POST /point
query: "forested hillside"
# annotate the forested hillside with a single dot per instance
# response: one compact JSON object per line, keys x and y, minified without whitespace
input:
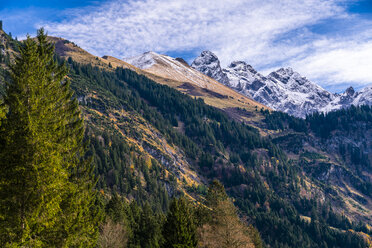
{"x":150,"y":143}
{"x":334,"y":150}
{"x":264,"y":183}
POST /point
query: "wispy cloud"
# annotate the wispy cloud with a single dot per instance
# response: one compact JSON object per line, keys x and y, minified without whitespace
{"x":264,"y":33}
{"x":335,"y":63}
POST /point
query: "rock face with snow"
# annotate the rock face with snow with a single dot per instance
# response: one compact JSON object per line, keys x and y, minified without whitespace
{"x":175,"y":72}
{"x":348,"y":98}
{"x":171,"y":68}
{"x":208,"y":64}
{"x":143,"y":62}
{"x":283,"y":90}
{"x":364,"y":97}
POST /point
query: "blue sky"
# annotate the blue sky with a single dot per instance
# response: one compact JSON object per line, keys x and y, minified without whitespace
{"x":328,"y":41}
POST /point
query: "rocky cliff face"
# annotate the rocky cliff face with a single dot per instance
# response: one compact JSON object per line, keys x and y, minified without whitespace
{"x":209,"y":64}
{"x":283,"y":90}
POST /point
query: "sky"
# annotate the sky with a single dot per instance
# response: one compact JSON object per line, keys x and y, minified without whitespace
{"x":327,"y":41}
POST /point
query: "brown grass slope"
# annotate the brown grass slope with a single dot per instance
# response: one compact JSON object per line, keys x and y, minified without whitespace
{"x":186,"y":80}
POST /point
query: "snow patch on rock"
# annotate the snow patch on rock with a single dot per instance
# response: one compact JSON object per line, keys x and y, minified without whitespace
{"x":282,"y":90}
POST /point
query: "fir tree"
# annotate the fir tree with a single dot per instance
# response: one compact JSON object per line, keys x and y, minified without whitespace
{"x":179,"y":230}
{"x":46,"y":186}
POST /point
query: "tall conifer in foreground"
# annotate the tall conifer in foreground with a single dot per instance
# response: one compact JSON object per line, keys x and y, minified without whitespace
{"x":179,"y":230}
{"x":46,"y":187}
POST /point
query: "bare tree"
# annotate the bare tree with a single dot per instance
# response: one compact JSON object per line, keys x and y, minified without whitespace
{"x":225,"y":230}
{"x":113,"y":235}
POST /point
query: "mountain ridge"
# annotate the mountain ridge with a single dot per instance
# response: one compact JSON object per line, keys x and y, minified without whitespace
{"x":282,"y":90}
{"x":177,"y":74}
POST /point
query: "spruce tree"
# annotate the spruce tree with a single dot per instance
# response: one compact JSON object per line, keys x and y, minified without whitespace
{"x":179,"y":230}
{"x":46,"y":186}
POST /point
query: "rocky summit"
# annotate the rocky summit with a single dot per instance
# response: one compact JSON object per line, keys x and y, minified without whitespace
{"x":283,"y":90}
{"x":209,"y":64}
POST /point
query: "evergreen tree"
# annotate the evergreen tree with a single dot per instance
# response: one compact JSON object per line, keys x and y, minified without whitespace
{"x":179,"y":230}
{"x":150,"y":225}
{"x":46,"y":187}
{"x":216,"y":193}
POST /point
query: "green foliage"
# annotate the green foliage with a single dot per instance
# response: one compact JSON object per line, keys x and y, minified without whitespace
{"x":255,"y":237}
{"x":142,"y":226}
{"x":215,"y":145}
{"x":209,"y":133}
{"x":216,"y":193}
{"x":119,"y":167}
{"x":179,"y":230}
{"x":148,"y":231}
{"x":344,"y":119}
{"x":46,"y":187}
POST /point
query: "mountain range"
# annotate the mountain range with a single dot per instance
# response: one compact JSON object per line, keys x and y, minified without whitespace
{"x":282,"y":90}
{"x":161,"y":128}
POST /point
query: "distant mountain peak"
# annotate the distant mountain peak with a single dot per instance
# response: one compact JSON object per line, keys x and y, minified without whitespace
{"x":210,"y":56}
{"x":350,"y":91}
{"x":284,"y":89}
{"x":242,"y":66}
{"x":206,"y":57}
{"x":209,"y":64}
{"x":285,"y":71}
{"x":143,"y":61}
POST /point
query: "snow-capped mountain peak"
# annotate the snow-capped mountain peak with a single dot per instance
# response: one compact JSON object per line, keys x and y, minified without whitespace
{"x":285,"y":71}
{"x":350,"y":91}
{"x":284,"y":89}
{"x":241,"y":66}
{"x":363,"y":97}
{"x":208,"y":64}
{"x":348,"y":98}
{"x":143,"y":61}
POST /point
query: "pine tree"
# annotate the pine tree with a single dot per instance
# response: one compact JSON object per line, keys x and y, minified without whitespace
{"x":46,"y":185}
{"x":179,"y":230}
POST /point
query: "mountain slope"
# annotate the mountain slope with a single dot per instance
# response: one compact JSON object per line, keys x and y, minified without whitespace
{"x":334,"y":151}
{"x":150,"y":141}
{"x":174,"y":73}
{"x":282,"y":90}
{"x":254,"y":171}
{"x":235,"y":167}
{"x":177,"y":74}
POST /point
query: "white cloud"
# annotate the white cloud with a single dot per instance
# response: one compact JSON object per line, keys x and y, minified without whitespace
{"x":234,"y":30}
{"x":338,"y":62}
